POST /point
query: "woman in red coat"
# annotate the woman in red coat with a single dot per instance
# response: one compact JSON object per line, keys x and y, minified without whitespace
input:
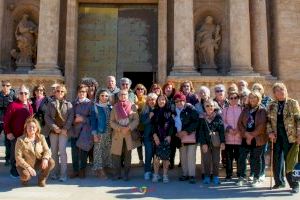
{"x":14,"y":119}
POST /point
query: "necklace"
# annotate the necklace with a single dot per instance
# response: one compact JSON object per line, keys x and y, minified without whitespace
{"x":280,"y":107}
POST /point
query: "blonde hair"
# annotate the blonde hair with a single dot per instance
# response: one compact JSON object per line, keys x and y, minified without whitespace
{"x":258,"y":85}
{"x":281,"y":86}
{"x":35,"y":121}
{"x":62,"y":87}
{"x":190,"y":83}
{"x":256,"y":94}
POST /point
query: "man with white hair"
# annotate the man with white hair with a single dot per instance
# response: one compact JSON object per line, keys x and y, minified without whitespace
{"x":14,"y":119}
{"x":111,"y":85}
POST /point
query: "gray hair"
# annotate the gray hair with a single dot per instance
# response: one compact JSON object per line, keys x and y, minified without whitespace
{"x":152,"y":96}
{"x":23,"y":88}
{"x":220,"y":86}
{"x":205,"y":89}
{"x":125,"y":80}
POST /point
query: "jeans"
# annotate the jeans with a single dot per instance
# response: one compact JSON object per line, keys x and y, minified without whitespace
{"x":58,"y":147}
{"x":148,"y":154}
{"x":232,"y":153}
{"x":255,"y":163}
{"x":79,"y":156}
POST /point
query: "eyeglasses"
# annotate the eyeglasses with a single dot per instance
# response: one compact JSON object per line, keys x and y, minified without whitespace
{"x":23,"y":93}
{"x":219,"y":91}
{"x":60,"y":91}
{"x":139,"y":88}
{"x":207,"y":106}
{"x":39,"y":90}
{"x":82,"y":91}
{"x":234,"y":98}
{"x":6,"y":85}
{"x":103,"y":95}
{"x":125,"y":84}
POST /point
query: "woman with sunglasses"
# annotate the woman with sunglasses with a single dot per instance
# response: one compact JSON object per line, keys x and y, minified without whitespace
{"x":39,"y":104}
{"x":14,"y":119}
{"x":59,"y":117}
{"x":101,"y":132}
{"x":233,"y":138}
{"x":141,"y":93}
{"x":211,"y":124}
{"x":81,"y":137}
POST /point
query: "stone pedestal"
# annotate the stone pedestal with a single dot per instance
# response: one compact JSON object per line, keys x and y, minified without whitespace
{"x":2,"y":5}
{"x":240,"y":43}
{"x":183,"y":38}
{"x":259,"y":37}
{"x":47,"y":51}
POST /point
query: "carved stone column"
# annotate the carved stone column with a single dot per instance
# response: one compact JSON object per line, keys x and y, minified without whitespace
{"x":183,"y":38}
{"x":48,"y":35}
{"x":259,"y":37}
{"x":2,"y":5}
{"x":162,"y":41}
{"x":240,"y":43}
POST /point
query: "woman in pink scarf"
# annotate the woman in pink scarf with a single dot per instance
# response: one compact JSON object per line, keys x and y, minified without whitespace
{"x":123,"y":120}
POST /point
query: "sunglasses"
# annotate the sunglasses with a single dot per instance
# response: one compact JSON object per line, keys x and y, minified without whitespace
{"x":207,"y":106}
{"x":60,"y":91}
{"x":6,"y":85}
{"x":139,"y":88}
{"x":23,"y":93}
{"x":219,"y":91}
{"x":233,"y":98}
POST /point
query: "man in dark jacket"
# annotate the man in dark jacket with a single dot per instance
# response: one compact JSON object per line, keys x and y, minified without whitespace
{"x":7,"y":95}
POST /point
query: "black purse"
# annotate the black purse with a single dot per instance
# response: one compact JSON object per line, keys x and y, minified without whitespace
{"x":163,"y":150}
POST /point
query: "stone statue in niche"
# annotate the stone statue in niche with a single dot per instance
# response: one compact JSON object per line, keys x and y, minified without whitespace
{"x":208,"y":39}
{"x":26,"y":38}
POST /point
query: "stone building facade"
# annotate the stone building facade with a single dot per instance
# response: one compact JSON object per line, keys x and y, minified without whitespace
{"x":205,"y":41}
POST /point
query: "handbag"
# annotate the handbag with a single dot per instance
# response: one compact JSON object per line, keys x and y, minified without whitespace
{"x":189,"y":138}
{"x":163,"y":150}
{"x":214,"y":137}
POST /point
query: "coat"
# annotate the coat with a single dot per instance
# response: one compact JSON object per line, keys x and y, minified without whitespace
{"x":259,"y":132}
{"x":230,"y":117}
{"x":291,"y":118}
{"x":67,"y":113}
{"x":118,"y":136}
{"x":25,"y":153}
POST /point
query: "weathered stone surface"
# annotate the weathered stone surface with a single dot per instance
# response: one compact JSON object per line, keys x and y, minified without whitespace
{"x":2,"y":3}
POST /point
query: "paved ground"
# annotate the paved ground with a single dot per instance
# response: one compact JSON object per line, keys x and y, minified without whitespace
{"x":96,"y":189}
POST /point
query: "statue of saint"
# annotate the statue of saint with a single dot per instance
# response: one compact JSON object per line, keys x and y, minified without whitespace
{"x":208,"y":39}
{"x":26,"y":38}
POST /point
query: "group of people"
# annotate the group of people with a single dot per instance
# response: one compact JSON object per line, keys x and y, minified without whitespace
{"x":106,"y":123}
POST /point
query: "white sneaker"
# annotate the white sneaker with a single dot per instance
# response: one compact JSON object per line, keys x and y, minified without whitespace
{"x":165,"y":179}
{"x":262,"y":178}
{"x":241,"y":181}
{"x":250,"y":178}
{"x":255,"y":182}
{"x":155,"y":178}
{"x":63,"y":179}
{"x":147,"y":176}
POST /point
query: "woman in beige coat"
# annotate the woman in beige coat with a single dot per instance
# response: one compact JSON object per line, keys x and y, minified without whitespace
{"x":123,"y":120}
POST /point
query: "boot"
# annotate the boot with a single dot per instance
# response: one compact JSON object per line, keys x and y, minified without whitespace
{"x":82,"y":173}
{"x":42,"y":182}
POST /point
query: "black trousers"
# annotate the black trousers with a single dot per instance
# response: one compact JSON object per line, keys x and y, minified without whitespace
{"x":13,"y":169}
{"x":256,"y":165}
{"x":232,"y":153}
{"x":280,"y":151}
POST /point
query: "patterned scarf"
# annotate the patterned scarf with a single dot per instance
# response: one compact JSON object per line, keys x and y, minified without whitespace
{"x":123,"y":109}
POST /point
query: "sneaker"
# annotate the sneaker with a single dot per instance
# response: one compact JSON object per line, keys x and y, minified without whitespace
{"x":262,"y":178}
{"x":155,"y":178}
{"x":216,"y":180}
{"x":54,"y":177}
{"x":255,"y":182}
{"x":251,"y":178}
{"x":147,"y":176}
{"x":206,"y":180}
{"x":183,"y":178}
{"x":63,"y":179}
{"x":228,"y":178}
{"x":14,"y":176}
{"x":295,"y":190}
{"x":192,"y":180}
{"x":165,"y":179}
{"x":241,"y":181}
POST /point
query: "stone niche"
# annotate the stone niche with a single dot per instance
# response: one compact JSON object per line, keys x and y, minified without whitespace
{"x":217,"y":9}
{"x":14,"y":12}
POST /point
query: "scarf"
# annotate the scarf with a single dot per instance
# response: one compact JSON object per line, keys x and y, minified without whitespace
{"x":211,"y":117}
{"x":123,"y":109}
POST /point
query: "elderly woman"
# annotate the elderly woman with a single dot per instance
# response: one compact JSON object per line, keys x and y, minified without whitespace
{"x":33,"y":153}
{"x":59,"y":117}
{"x":233,"y":138}
{"x":141,"y":93}
{"x":123,"y":121}
{"x":145,"y":119}
{"x":284,"y":130}
{"x":156,"y":88}
{"x":186,"y":88}
{"x":101,"y":133}
{"x":15,"y":116}
{"x":252,"y":127}
{"x":39,"y":105}
{"x":81,"y":137}
{"x":186,"y":122}
{"x":204,"y":95}
{"x":163,"y":125}
{"x":211,"y":124}
{"x":125,"y":84}
{"x":220,"y":96}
